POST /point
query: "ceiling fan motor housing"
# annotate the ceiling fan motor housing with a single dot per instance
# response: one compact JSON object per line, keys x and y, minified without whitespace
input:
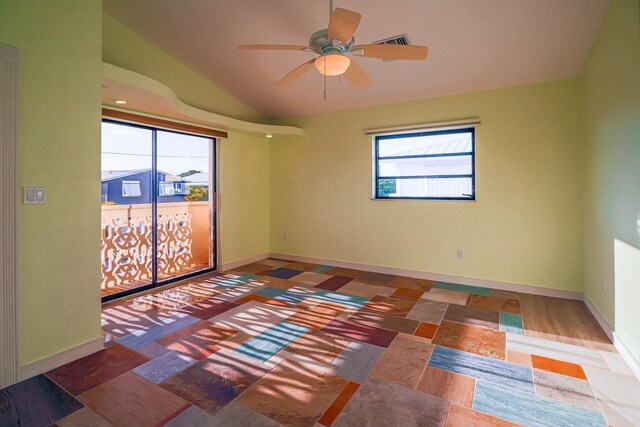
{"x":320,"y":43}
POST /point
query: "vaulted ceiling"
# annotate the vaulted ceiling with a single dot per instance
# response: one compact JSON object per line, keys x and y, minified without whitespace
{"x":473,"y":45}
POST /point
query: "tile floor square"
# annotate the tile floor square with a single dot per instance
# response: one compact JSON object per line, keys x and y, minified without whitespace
{"x":132,"y":400}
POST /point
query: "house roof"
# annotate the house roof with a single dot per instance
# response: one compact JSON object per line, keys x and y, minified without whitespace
{"x":115,"y":174}
{"x":110,"y":175}
{"x":200,"y":178}
{"x":461,"y":145}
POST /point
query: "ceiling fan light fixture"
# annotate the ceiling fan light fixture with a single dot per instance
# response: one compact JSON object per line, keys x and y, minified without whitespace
{"x":332,"y":64}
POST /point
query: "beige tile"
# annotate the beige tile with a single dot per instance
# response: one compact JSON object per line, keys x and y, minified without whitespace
{"x":618,"y":396}
{"x":428,"y":311}
{"x":565,"y":389}
{"x":518,"y":358}
{"x":275,"y":263}
{"x":252,"y":317}
{"x":310,"y":278}
{"x":445,"y":295}
{"x":404,"y":361}
{"x":366,"y":290}
{"x":292,"y":394}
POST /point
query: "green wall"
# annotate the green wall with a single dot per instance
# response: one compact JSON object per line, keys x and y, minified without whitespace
{"x":611,"y":107}
{"x":244,"y":159}
{"x":244,"y":197}
{"x":59,"y":148}
{"x":525,"y":227}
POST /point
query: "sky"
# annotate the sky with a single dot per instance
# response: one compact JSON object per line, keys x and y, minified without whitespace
{"x":128,"y":147}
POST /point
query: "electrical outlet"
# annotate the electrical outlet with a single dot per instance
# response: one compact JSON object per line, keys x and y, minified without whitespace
{"x":285,"y":236}
{"x":460,"y":253}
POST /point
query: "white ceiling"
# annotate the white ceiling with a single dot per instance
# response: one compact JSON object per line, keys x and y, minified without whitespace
{"x":474,"y":45}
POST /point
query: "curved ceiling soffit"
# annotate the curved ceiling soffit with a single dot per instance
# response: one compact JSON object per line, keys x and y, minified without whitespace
{"x":146,"y":95}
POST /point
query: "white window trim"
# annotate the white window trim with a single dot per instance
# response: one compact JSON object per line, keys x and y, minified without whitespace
{"x":139,"y":190}
{"x":472,"y":122}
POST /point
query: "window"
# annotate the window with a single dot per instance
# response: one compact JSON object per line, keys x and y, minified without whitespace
{"x":180,"y":187}
{"x":425,"y":165}
{"x":166,"y":189}
{"x":131,"y":189}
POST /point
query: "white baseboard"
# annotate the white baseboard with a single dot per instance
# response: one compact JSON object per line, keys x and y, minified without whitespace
{"x":483,"y":283}
{"x":617,"y":343}
{"x":56,"y":360}
{"x":235,"y":264}
{"x":601,"y":321}
{"x":627,"y":356}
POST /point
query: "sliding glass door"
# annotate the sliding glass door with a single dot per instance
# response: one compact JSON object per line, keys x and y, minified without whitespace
{"x":158,"y":221}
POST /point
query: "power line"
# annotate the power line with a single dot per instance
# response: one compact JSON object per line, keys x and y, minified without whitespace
{"x":158,"y":155}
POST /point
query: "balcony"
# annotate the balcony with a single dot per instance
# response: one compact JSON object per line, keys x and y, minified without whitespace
{"x":184,"y":243}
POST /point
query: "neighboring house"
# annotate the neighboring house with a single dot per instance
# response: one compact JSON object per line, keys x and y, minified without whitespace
{"x":200,"y":179}
{"x":128,"y":187}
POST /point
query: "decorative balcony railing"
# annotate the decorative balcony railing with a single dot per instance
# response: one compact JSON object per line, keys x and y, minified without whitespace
{"x":127,"y":242}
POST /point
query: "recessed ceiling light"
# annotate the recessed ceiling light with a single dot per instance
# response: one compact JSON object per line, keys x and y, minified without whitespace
{"x":269,"y":135}
{"x":120,"y":101}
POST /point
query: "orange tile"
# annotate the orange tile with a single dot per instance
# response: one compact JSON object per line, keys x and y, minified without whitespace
{"x":472,"y":339}
{"x":558,"y":367}
{"x":338,"y":405}
{"x":407,"y":293}
{"x":260,"y":298}
{"x":426,"y":330}
{"x":457,"y":388}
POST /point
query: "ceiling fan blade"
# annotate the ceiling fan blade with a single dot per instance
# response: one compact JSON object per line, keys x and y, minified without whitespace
{"x":296,"y":73}
{"x":392,"y":51}
{"x":342,"y":25}
{"x":272,"y":47}
{"x":356,"y":76}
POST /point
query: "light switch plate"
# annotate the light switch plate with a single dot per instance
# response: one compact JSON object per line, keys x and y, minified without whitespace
{"x":34,"y":195}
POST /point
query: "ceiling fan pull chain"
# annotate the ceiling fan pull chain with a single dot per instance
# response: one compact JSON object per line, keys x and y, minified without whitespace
{"x":325,"y":80}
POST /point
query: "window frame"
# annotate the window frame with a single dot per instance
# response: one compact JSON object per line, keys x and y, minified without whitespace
{"x":400,"y":135}
{"x":167,"y":184}
{"x":130,"y":182}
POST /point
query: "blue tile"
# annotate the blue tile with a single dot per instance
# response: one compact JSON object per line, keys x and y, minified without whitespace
{"x":322,"y":269}
{"x":37,"y":401}
{"x":284,"y":273}
{"x":531,"y":410}
{"x":232,"y":282}
{"x":355,"y":362}
{"x":511,"y":323}
{"x":271,"y":341}
{"x":284,"y":295}
{"x":463,"y":288}
{"x":156,"y":331}
{"x":164,"y":366}
{"x":483,"y":368}
{"x":340,"y":298}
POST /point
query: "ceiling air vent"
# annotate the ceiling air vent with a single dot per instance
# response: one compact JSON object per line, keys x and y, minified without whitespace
{"x":401,"y":39}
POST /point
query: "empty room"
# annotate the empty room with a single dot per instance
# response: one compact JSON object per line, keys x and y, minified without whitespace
{"x":320,"y":213}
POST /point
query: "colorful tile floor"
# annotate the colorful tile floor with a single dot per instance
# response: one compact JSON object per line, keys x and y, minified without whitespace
{"x":296,"y":344}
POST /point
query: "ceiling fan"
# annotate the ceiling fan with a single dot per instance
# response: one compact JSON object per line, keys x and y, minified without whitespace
{"x":334,"y":45}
